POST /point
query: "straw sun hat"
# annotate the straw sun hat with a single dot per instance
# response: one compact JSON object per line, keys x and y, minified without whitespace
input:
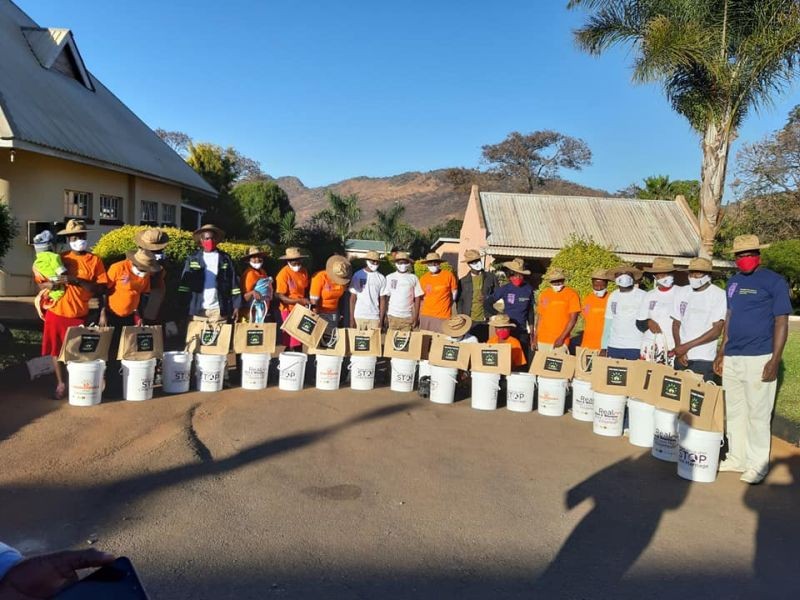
{"x":254,"y":251}
{"x":144,"y":260}
{"x":745,"y":243}
{"x":74,"y":227}
{"x":457,"y":325}
{"x":293,"y":253}
{"x":431,"y":257}
{"x":219,"y":234}
{"x":517,"y":265}
{"x":500,"y":321}
{"x":154,"y":240}
{"x":701,"y":264}
{"x":661,"y":265}
{"x":339,"y":269}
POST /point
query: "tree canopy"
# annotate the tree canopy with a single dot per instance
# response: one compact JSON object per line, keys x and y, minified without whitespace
{"x":262,"y":205}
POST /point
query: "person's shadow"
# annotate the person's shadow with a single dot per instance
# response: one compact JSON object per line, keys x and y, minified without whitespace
{"x":629,"y":498}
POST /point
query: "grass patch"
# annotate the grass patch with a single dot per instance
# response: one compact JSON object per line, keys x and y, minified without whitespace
{"x":787,"y":404}
{"x":17,"y":345}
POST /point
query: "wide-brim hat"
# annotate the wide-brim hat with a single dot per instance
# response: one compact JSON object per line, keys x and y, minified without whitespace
{"x":471,"y":256}
{"x":600,"y":274}
{"x":293,"y":253}
{"x":372,"y":255}
{"x":402,"y":256}
{"x":144,"y":260}
{"x":636,"y":272}
{"x":701,"y":264}
{"x":254,"y":251}
{"x":744,"y":243}
{"x":457,"y":326}
{"x":431,"y":257}
{"x":555,"y":275}
{"x":74,"y":227}
{"x":154,"y":239}
{"x":517,"y":265}
{"x":661,"y":265}
{"x":501,"y":321}
{"x":209,"y":227}
{"x":339,"y":269}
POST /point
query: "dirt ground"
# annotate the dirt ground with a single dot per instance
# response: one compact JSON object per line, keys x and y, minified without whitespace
{"x":382,"y":495}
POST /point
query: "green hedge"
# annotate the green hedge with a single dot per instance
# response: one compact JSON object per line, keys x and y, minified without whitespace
{"x":578,"y":258}
{"x":420,"y":268}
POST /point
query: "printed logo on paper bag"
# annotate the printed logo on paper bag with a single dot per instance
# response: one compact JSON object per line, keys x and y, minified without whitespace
{"x":553,"y":364}
{"x":490,"y":358}
{"x":361,"y":343}
{"x":89,"y":343}
{"x":400,"y":342}
{"x":209,"y":337}
{"x":450,"y":353}
{"x":617,"y":376}
{"x":696,"y":398}
{"x":671,"y":388}
{"x":144,"y":342}
{"x":306,"y":324}
{"x":255,"y":337}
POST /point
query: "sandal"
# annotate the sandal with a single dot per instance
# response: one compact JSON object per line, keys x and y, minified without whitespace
{"x":61,"y":390}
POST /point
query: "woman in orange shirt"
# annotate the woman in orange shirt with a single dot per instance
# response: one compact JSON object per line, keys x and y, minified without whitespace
{"x":291,"y":287}
{"x":256,"y":286}
{"x":440,"y":289}
{"x":594,"y":311}
{"x":328,"y":287}
{"x":502,"y":335}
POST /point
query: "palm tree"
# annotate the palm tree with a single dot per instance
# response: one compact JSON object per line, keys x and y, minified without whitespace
{"x":389,"y":224}
{"x":289,"y":231}
{"x":717,"y":60}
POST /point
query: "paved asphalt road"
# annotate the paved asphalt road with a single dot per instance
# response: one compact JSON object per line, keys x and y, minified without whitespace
{"x":382,"y":495}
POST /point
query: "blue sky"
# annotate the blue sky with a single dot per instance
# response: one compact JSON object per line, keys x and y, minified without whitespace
{"x":331,"y":90}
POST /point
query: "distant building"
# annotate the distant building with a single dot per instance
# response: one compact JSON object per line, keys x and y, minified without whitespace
{"x":447,"y":248}
{"x":359,"y":248}
{"x":70,"y":149}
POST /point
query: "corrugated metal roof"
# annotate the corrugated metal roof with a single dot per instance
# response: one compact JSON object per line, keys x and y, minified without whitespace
{"x":528,"y":222}
{"x":367,"y":245}
{"x":41,"y":108}
{"x":642,"y":259}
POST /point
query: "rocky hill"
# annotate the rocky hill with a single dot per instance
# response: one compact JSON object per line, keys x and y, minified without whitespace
{"x":429,"y":197}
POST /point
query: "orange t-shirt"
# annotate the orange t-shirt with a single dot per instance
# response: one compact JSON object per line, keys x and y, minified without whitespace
{"x":125,"y":288}
{"x":438,"y":290}
{"x":291,"y":284}
{"x":594,"y":319}
{"x":75,"y":301}
{"x":250,"y":277}
{"x":554,"y":310}
{"x":517,"y":355}
{"x":326,"y":292}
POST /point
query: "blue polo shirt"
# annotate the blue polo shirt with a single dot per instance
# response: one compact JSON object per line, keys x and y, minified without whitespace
{"x":754,"y":301}
{"x":518,"y":303}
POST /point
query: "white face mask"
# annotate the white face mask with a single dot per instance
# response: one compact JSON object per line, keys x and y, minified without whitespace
{"x":624,"y":280}
{"x":256,"y":264}
{"x":557,"y":288}
{"x":433,"y":268}
{"x":296,"y":268}
{"x":403,"y":267}
{"x":137,"y":272}
{"x":600,"y":293}
{"x":372,"y":265}
{"x":666,"y":281}
{"x":78,"y":245}
{"x":699,"y":282}
{"x":476,"y":265}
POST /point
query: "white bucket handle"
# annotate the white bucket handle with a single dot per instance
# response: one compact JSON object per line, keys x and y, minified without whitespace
{"x":333,"y":339}
{"x":287,"y":367}
{"x":404,"y":345}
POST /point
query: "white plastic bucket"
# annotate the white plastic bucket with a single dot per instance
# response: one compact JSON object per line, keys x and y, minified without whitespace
{"x":698,"y":453}
{"x":292,"y":369}
{"x":176,"y":369}
{"x":329,"y":372}
{"x":86,"y":382}
{"x":582,"y":400}
{"x":552,"y":396}
{"x":255,"y":371}
{"x":665,"y":435}
{"x":484,"y":390}
{"x":424,"y":369}
{"x":443,"y":384}
{"x":609,"y":414}
{"x":640,"y":423}
{"x":209,"y":372}
{"x":519,"y":392}
{"x":403,"y":370}
{"x":137,"y":379}
{"x":362,"y":372}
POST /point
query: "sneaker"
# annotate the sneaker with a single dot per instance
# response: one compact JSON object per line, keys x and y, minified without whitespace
{"x":752,"y":477}
{"x":728,"y":467}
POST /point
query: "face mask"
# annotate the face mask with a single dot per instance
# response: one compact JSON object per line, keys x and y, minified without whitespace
{"x":78,"y":245}
{"x":747,"y":264}
{"x":666,"y":281}
{"x":256,"y":264}
{"x":159,"y":256}
{"x":137,"y":272}
{"x":433,"y":268}
{"x":209,"y":245}
{"x":372,"y":265}
{"x":476,"y":266}
{"x":557,"y":288}
{"x":699,"y":282}
{"x":600,"y":293}
{"x":624,"y":280}
{"x":296,"y":268}
{"x":402,"y":267}
{"x":516,"y":280}
{"x":503,"y":334}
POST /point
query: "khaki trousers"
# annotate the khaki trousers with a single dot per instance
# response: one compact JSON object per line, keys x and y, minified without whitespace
{"x":748,"y":409}
{"x":366,"y":324}
{"x":400,"y":323}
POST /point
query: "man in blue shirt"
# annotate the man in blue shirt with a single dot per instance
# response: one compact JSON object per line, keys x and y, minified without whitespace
{"x":517,"y":297}
{"x":756,"y":328}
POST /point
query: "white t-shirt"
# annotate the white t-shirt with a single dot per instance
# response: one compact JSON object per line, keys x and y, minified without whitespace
{"x":622,"y":310}
{"x":402,"y":289}
{"x":697,"y":312}
{"x":210,"y":299}
{"x":367,"y":286}
{"x":658,"y":305}
{"x":464,"y":339}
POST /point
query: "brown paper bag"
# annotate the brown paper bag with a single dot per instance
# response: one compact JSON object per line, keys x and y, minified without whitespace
{"x":403,"y":344}
{"x":705,"y":408}
{"x":333,"y":343}
{"x":584,"y":359}
{"x":445,"y":353}
{"x":141,"y":343}
{"x":553,"y":365}
{"x":364,"y":343}
{"x":82,"y":344}
{"x":205,"y":337}
{"x":491,"y":358}
{"x":427,"y":341}
{"x":614,"y":375}
{"x":639,"y":384}
{"x":305,"y":325}
{"x":668,"y":389}
{"x":254,"y":338}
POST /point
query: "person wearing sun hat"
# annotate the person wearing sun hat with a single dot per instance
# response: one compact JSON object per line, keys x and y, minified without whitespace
{"x":256,"y":285}
{"x":557,"y":310}
{"x":655,"y":311}
{"x":85,"y":278}
{"x":474,"y":291}
{"x":517,"y":297}
{"x":328,"y":288}
{"x":367,"y":302}
{"x":756,"y":328}
{"x":697,"y":321}
{"x":209,"y":288}
{"x":155,"y":240}
{"x":593,"y":309}
{"x":440,"y":289}
{"x":622,"y":336}
{"x":404,"y":294}
{"x":291,"y":288}
{"x":503,"y":327}
{"x":457,"y":329}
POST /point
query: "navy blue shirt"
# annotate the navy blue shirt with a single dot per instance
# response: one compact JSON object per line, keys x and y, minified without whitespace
{"x":518,"y":303}
{"x":754,"y":301}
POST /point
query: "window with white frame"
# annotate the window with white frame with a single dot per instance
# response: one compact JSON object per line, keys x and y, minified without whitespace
{"x":77,"y":204}
{"x":149,"y":211}
{"x":110,"y":207}
{"x":168,"y":214}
